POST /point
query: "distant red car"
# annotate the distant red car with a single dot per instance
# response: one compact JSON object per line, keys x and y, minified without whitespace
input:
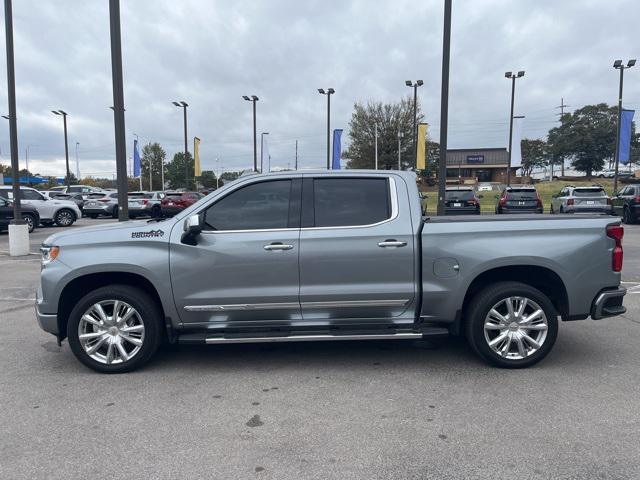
{"x":175,"y":202}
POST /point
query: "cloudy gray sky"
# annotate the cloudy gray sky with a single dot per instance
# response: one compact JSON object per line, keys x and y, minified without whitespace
{"x":210,"y":53}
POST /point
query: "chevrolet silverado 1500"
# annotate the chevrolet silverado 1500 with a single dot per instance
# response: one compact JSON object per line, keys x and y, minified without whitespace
{"x":312,"y":256}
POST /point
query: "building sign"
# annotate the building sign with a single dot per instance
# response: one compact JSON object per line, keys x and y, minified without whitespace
{"x":475,"y":159}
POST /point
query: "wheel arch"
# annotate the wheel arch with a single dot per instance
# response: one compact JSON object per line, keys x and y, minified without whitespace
{"x":541,"y":278}
{"x":80,"y":286}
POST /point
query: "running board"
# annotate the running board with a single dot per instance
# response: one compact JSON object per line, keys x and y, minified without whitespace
{"x":312,"y":338}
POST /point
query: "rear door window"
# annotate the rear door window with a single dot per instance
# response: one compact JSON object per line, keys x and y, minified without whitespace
{"x":340,"y":202}
{"x":462,"y":195}
{"x":589,"y":192}
{"x":522,"y":195}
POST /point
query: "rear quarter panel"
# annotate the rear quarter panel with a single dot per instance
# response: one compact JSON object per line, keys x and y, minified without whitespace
{"x":577,"y":250}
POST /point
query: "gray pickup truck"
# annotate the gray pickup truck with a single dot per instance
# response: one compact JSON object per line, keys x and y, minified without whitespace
{"x":311,"y":256}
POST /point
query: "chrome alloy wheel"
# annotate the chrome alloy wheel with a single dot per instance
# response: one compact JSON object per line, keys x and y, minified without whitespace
{"x":111,"y":332}
{"x":515,"y":328}
{"x":64,"y":218}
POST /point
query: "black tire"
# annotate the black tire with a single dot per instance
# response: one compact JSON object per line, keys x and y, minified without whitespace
{"x":485,"y":300}
{"x":156,"y":212}
{"x":114,"y":212}
{"x":551,"y":211}
{"x":149,"y":312}
{"x":65,"y":217}
{"x":31,"y":221}
{"x":626,"y":216}
{"x":93,"y":215}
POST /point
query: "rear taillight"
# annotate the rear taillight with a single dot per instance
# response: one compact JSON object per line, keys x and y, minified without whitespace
{"x":636,"y":199}
{"x":609,"y":201}
{"x":145,"y":201}
{"x":503,"y":200}
{"x":472,"y":202}
{"x":616,"y":232}
{"x":570,"y":201}
{"x":104,"y":200}
{"x":538,"y":201}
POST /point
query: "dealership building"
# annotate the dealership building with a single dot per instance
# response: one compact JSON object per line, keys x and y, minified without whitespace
{"x":483,"y":164}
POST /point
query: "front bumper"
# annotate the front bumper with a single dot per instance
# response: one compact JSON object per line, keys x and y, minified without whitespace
{"x":608,"y":303}
{"x":48,"y":322}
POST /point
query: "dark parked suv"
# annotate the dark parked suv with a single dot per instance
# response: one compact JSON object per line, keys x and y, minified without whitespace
{"x":461,"y":201}
{"x":626,"y":203}
{"x":519,"y":199}
{"x":29,"y":214}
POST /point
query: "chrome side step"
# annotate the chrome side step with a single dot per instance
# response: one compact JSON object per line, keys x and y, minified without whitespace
{"x":313,"y":338}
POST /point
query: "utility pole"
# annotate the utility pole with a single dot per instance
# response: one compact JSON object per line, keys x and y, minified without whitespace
{"x":118,"y":110}
{"x":562,"y":106}
{"x":415,"y":86}
{"x":296,"y":154}
{"x":77,"y":162}
{"x":444,"y":106}
{"x":376,"y":135}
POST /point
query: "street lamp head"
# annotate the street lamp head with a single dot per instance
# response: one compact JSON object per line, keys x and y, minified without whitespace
{"x":63,"y":112}
{"x":254,"y":98}
{"x":631,"y":62}
{"x":55,"y":112}
{"x":507,"y":74}
{"x":420,"y":83}
{"x":246,"y":98}
{"x":176,"y":104}
{"x":408,"y":83}
{"x":184,"y":104}
{"x":617,"y":64}
{"x":5,"y":116}
{"x":330,"y":91}
{"x":521,"y":73}
{"x":321,"y":90}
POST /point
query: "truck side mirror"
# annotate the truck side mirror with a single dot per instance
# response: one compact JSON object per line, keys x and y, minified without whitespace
{"x":192,"y":228}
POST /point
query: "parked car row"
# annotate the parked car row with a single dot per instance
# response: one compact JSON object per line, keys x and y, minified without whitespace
{"x":63,"y":213}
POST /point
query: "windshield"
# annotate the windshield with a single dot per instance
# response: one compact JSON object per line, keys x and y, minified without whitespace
{"x":458,"y":195}
{"x":589,"y":192}
{"x":522,"y":195}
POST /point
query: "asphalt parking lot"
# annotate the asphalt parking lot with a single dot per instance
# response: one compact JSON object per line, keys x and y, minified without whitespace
{"x":383,"y":410}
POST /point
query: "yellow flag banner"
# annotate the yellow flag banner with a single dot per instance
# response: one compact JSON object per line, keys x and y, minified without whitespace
{"x":196,"y":156}
{"x":421,"y":154}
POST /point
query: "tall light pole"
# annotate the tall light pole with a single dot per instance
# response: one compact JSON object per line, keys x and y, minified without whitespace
{"x":182,"y":104}
{"x":253,"y":99}
{"x":77,"y":162}
{"x":262,"y":150}
{"x":400,"y":137}
{"x":118,"y":109}
{"x":415,"y":86}
{"x":66,"y":142}
{"x":376,"y":154}
{"x":618,"y":65}
{"x":328,"y":93}
{"x":444,"y":106}
{"x":18,"y":231}
{"x":512,"y":76}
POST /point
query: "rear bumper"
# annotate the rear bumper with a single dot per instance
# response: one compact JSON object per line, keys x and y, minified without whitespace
{"x":461,"y":211}
{"x":520,"y":210}
{"x":106,"y":210}
{"x":608,"y":303}
{"x":590,"y":209}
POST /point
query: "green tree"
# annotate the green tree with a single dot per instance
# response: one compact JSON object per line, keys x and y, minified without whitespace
{"x":207,"y":179}
{"x":586,"y":136}
{"x":229,"y":177}
{"x":534,"y":154}
{"x":153,"y":157}
{"x":391,"y":119}
{"x":176,"y":176}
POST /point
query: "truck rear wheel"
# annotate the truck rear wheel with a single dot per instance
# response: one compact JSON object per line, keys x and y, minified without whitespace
{"x":511,"y":324}
{"x":115,"y":329}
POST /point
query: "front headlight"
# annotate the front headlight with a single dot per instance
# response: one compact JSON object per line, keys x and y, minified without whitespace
{"x":49,"y":253}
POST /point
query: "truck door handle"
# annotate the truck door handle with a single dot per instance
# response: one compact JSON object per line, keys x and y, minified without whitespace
{"x":277,"y":246}
{"x":392,"y":243}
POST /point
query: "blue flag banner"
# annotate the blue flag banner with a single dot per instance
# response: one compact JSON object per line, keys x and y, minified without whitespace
{"x":626,"y":118}
{"x":337,"y":149}
{"x":136,"y":159}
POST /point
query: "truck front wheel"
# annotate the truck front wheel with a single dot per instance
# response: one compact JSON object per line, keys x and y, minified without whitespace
{"x":511,"y":324}
{"x":115,"y":329}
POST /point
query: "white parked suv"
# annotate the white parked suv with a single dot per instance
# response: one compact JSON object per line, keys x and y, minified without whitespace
{"x":61,"y":212}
